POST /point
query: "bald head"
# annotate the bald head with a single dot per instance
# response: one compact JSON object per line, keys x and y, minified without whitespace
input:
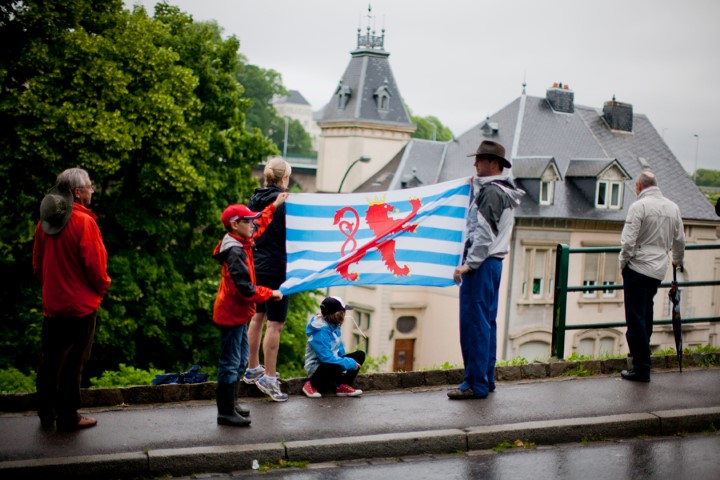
{"x":645,"y":179}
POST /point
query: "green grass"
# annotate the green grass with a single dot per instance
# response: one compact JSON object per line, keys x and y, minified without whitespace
{"x":501,"y":447}
{"x":282,"y":463}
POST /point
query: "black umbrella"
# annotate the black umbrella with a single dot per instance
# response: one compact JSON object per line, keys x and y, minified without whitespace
{"x":674,"y":295}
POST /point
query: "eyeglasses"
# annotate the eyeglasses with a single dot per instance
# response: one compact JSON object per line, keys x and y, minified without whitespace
{"x":246,"y":220}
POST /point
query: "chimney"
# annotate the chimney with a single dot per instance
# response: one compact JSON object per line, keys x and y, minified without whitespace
{"x":619,"y":116}
{"x":561,"y":98}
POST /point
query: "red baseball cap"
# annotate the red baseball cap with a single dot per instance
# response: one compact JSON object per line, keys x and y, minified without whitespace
{"x":235,"y":212}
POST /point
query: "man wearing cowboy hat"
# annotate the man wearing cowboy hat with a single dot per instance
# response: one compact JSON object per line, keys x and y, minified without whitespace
{"x":70,"y":260}
{"x":489,"y":226}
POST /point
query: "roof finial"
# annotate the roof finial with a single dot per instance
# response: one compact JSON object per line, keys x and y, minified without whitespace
{"x":524,"y":84}
{"x":370,"y":39}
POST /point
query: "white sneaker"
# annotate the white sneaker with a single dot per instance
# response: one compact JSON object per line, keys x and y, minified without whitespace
{"x":253,"y":374}
{"x":270,"y":386}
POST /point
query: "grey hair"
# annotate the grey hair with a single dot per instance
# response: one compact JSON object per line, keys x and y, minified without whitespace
{"x":647,"y":179}
{"x":73,"y":178}
{"x":275,"y":170}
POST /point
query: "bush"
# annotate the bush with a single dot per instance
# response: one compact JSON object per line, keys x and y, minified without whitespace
{"x":125,"y":377}
{"x":13,"y":380}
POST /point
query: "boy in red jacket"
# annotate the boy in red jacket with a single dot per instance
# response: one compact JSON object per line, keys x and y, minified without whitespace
{"x":235,"y":302}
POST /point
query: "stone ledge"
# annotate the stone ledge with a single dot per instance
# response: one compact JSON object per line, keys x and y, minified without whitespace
{"x":146,"y":394}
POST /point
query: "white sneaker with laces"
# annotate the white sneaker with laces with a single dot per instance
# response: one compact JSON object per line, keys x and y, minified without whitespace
{"x":271,"y":387}
{"x":253,"y":374}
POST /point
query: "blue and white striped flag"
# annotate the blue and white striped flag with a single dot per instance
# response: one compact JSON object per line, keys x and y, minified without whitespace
{"x":413,"y":236}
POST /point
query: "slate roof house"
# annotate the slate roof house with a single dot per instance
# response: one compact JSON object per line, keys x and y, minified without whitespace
{"x":577,"y":165}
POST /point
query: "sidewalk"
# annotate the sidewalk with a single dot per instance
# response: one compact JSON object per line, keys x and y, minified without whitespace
{"x":183,"y":438}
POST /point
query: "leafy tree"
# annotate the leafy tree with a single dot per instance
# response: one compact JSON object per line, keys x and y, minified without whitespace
{"x":707,"y":178}
{"x":299,"y":141}
{"x":261,"y":85}
{"x":430,"y":128}
{"x":152,"y":108}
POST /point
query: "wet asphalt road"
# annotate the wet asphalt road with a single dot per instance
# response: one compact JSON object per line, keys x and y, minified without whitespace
{"x":695,"y":457}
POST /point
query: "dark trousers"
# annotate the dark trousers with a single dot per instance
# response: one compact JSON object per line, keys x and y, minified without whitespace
{"x":328,"y":376}
{"x":639,"y":292}
{"x":479,"y":294}
{"x":66,"y":345}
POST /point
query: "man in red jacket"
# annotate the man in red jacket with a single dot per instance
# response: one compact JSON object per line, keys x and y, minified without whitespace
{"x":70,"y":260}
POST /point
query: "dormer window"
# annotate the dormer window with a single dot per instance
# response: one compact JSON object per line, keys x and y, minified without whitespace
{"x":547,"y":192}
{"x":609,"y":194}
{"x":601,"y":181}
{"x":343,"y":94}
{"x":382,"y":97}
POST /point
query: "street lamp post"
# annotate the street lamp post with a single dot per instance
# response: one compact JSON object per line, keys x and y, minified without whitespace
{"x":363,"y":159}
{"x":697,"y":147}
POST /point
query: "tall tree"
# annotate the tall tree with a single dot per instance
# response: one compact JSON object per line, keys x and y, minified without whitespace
{"x":152,"y":109}
{"x":430,"y":128}
{"x":260,"y":86}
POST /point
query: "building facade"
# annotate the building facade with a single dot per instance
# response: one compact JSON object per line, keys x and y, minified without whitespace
{"x":577,"y":165}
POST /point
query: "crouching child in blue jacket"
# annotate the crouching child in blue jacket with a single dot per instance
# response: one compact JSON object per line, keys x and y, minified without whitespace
{"x":328,"y":368}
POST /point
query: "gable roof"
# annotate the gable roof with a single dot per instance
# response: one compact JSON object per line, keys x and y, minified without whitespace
{"x":542,"y":133}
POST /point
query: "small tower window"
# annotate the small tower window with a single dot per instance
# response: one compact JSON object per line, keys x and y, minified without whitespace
{"x":343,"y":93}
{"x":382,"y":97}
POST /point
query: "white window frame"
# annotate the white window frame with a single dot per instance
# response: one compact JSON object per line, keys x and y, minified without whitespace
{"x":609,"y":186}
{"x":547,"y":192}
{"x":600,"y":279}
{"x":547,"y":281}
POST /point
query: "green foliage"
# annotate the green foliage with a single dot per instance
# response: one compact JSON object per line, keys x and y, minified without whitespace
{"x":152,"y":109}
{"x":707,"y":178}
{"x":282,"y":463}
{"x":579,"y":371}
{"x":13,"y":380}
{"x":513,"y":362}
{"x":502,"y":446}
{"x":578,"y":358}
{"x":430,"y":128}
{"x":374,"y":364}
{"x":593,"y":437}
{"x":124,"y":377}
{"x":299,"y":141}
{"x":712,"y":197}
{"x":444,"y":366}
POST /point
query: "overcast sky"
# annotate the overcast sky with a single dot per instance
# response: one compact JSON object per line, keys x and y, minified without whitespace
{"x":462,"y":60}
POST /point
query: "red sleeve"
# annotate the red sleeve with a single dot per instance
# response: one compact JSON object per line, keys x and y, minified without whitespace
{"x":264,"y":220}
{"x":94,"y":257}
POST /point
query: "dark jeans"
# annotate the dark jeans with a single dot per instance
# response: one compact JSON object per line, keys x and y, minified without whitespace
{"x":66,"y":345}
{"x":639,"y":292}
{"x":328,"y":376}
{"x":234,"y":351}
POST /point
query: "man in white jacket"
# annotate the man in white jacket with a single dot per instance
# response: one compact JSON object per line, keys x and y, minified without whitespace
{"x":653,"y":227}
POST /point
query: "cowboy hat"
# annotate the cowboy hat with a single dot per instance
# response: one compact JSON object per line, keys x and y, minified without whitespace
{"x":492,"y":151}
{"x":55,"y":209}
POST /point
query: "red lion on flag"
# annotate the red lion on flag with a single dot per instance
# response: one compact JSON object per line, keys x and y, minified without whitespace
{"x":379,"y":220}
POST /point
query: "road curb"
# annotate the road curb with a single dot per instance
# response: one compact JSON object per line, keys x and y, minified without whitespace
{"x":187,"y":461}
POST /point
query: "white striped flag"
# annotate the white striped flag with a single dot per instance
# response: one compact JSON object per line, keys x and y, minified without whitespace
{"x":412,"y":236}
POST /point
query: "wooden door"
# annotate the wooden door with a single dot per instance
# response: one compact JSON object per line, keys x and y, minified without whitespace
{"x":404,"y":354}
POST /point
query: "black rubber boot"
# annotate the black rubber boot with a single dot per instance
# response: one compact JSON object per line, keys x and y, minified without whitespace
{"x":225,"y":397}
{"x":240,"y":409}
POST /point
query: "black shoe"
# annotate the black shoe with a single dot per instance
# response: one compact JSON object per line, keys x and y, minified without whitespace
{"x":466,"y":394}
{"x":242,"y":410}
{"x":633,"y":376}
